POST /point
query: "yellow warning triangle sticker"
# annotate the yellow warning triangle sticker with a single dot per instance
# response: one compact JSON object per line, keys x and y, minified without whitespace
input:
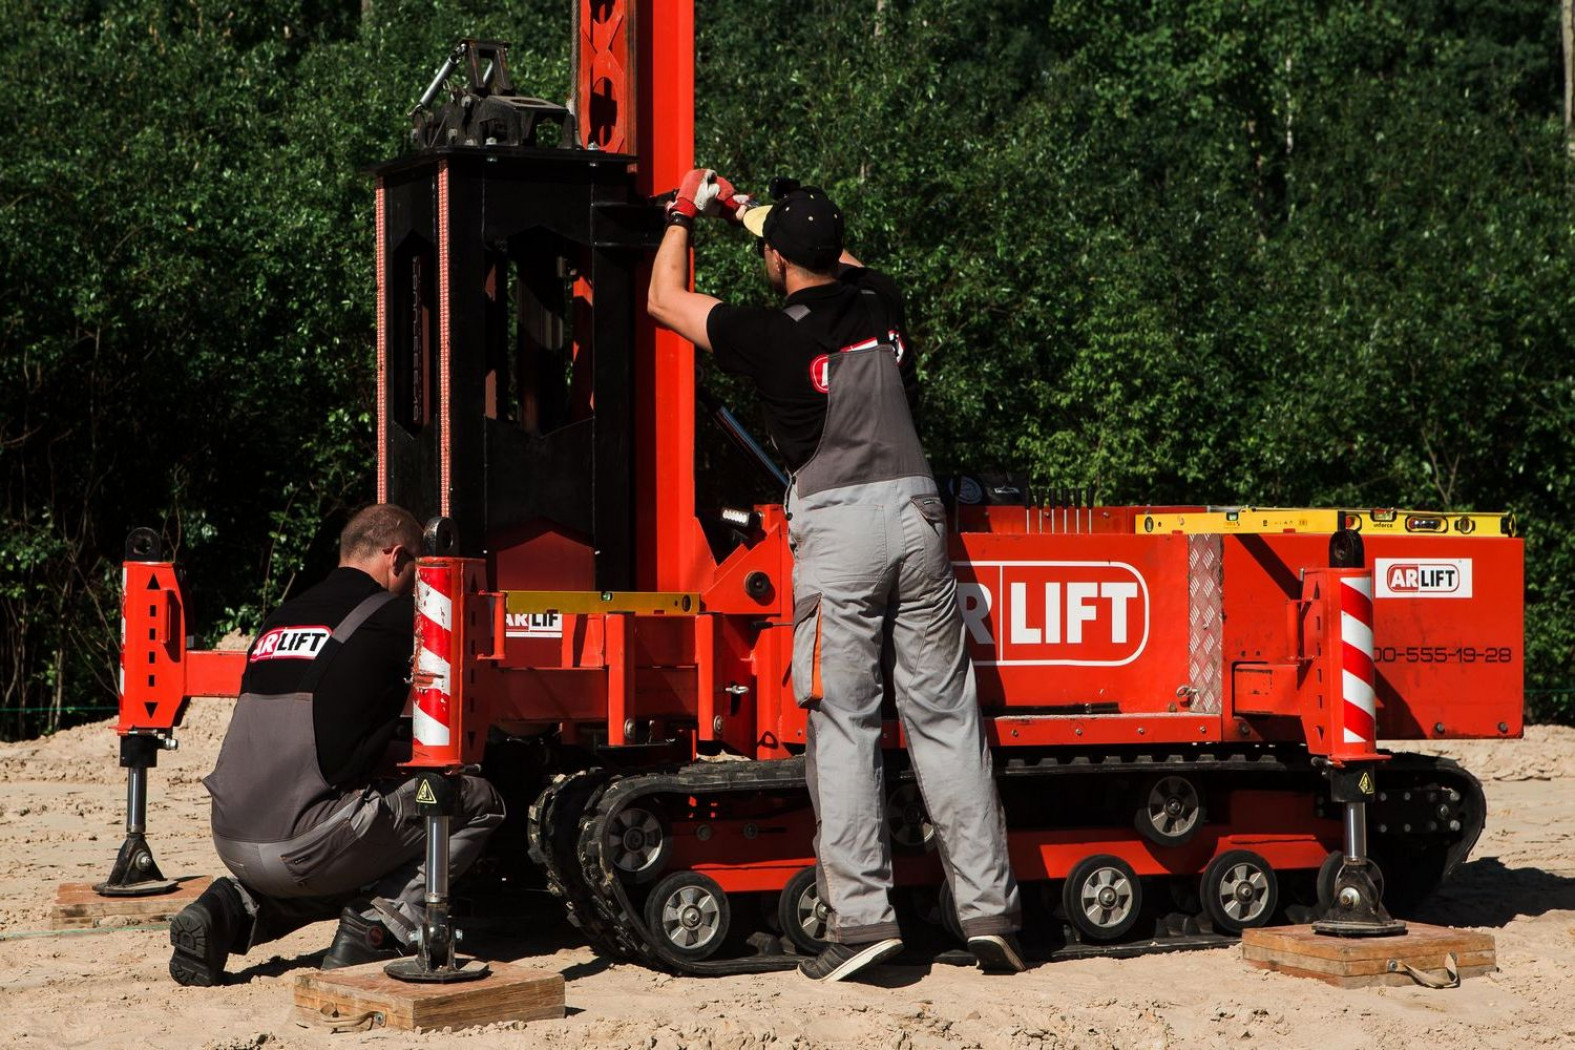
{"x":426,"y":796}
{"x":1366,"y":784}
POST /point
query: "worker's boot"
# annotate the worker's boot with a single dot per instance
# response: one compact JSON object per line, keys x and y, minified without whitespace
{"x":360,"y":940}
{"x":205,"y":932}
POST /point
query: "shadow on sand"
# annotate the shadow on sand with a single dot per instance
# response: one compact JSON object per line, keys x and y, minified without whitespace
{"x":1484,"y":892}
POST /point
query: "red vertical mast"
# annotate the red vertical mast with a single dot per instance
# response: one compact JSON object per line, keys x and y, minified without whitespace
{"x":634,"y":92}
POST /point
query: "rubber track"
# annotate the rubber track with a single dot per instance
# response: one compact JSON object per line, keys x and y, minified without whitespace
{"x":561,"y":806}
{"x":600,"y":902}
{"x":708,"y":778}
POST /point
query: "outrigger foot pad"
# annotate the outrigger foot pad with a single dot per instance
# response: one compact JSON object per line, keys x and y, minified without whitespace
{"x":1357,"y":909}
{"x":136,"y":873}
{"x":416,"y":970}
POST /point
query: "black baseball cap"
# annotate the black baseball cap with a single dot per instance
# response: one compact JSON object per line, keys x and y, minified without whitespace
{"x":805,"y":226}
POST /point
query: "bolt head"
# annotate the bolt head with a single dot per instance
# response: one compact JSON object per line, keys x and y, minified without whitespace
{"x":1350,"y":897}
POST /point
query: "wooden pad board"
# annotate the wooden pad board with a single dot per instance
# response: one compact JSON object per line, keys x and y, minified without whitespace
{"x":77,"y":906}
{"x":364,"y":996}
{"x":1360,"y":962}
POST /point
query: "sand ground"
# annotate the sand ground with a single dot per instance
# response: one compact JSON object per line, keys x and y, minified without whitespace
{"x":61,"y":820}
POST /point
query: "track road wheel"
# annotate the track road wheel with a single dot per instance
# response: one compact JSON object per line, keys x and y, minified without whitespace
{"x":1169,"y":810}
{"x":638,"y":841}
{"x":1102,"y":897}
{"x":909,"y":822}
{"x":1331,"y":871}
{"x":688,"y":914}
{"x":1239,"y":891}
{"x":803,"y":914}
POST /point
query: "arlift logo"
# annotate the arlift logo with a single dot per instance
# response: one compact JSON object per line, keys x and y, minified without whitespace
{"x":291,"y":643}
{"x":533,"y":625}
{"x":820,"y":373}
{"x":1068,"y":613}
{"x":820,"y":367}
{"x":1422,"y":578}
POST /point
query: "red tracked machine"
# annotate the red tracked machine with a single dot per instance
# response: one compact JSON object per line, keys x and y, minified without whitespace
{"x":1186,"y":702}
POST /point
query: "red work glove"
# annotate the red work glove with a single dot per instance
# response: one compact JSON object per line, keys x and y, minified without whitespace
{"x":695,"y":193}
{"x":731,"y":204}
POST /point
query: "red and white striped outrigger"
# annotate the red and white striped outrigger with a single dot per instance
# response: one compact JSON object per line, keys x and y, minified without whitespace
{"x":1339,"y":604}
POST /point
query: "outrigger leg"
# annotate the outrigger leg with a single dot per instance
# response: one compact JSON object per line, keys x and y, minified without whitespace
{"x":136,"y":873}
{"x":1357,"y":909}
{"x":434,"y":961}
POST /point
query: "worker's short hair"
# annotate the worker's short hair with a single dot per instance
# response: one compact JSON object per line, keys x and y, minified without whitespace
{"x":373,"y":529}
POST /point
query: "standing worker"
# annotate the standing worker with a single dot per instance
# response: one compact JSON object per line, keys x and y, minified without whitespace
{"x":309,"y":811}
{"x":868,"y":533}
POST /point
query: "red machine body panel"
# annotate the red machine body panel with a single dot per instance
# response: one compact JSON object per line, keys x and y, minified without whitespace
{"x":1449,"y":653}
{"x":1054,"y":621}
{"x":1075,"y":639}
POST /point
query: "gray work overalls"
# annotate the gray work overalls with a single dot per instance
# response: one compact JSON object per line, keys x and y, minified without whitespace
{"x":302,"y":848}
{"x":869,"y":537}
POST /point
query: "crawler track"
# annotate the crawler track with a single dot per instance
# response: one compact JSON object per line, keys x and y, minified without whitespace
{"x":1417,"y":843}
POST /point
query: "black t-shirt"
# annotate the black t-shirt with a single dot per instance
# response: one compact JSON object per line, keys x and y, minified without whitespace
{"x":357,"y":706}
{"x":787,"y":358}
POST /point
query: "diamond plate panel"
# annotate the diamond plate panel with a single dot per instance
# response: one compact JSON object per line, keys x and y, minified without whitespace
{"x":1206,"y":625}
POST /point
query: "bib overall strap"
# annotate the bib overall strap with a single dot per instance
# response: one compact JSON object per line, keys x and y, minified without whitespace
{"x":347,"y":627}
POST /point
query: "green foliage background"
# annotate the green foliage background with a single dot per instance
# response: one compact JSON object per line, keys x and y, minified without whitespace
{"x":1233,"y":252}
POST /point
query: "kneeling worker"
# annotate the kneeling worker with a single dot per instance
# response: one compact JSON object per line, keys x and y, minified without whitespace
{"x":870,"y":567}
{"x":309,"y":812}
